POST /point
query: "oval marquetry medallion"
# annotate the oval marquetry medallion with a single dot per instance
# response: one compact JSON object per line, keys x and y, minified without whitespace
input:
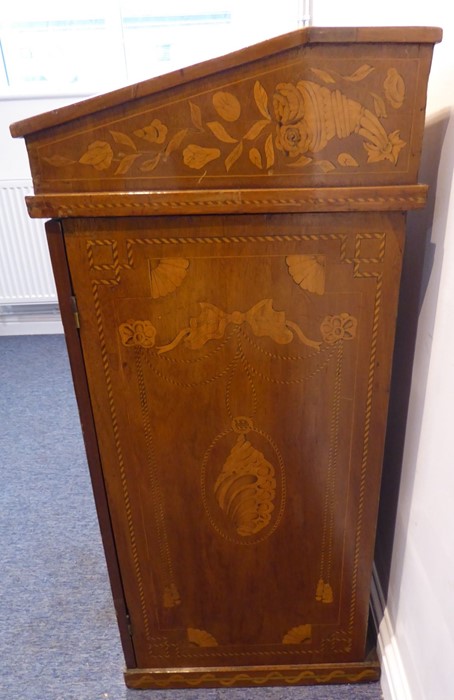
{"x":243,"y":484}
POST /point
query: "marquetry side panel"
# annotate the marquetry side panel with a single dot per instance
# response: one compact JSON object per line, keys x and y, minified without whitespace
{"x":324,"y":115}
{"x":238,"y":368}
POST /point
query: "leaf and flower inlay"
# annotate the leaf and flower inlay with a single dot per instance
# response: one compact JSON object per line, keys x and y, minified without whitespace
{"x":137,"y":333}
{"x":245,"y":476}
{"x":293,"y":125}
{"x":340,"y":327}
{"x":262,"y":319}
{"x":243,"y":472}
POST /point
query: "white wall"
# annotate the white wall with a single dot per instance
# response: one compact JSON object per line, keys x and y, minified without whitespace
{"x":14,"y":161}
{"x":14,"y":167}
{"x":421,"y":591}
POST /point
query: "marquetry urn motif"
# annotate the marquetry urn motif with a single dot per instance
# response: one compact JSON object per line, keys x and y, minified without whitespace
{"x":227,"y":243}
{"x":245,"y":488}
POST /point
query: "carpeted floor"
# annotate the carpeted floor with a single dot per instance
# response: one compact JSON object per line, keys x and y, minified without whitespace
{"x":58,"y":635}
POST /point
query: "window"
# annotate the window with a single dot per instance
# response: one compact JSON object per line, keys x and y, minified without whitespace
{"x":60,"y":48}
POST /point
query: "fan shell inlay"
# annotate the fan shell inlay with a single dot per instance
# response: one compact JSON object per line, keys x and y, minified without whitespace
{"x":167,"y":276}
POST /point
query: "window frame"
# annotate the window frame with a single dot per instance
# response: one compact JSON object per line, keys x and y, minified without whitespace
{"x":118,"y":21}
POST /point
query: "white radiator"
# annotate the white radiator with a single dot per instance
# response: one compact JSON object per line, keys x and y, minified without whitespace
{"x":25,"y":269}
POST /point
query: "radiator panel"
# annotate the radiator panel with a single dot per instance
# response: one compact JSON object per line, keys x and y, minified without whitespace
{"x":25,"y":269}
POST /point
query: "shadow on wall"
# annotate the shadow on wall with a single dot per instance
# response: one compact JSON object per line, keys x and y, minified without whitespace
{"x":418,"y":269}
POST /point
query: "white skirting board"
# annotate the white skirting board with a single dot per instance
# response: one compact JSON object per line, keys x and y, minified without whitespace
{"x":393,"y":677}
{"x":30,"y":328}
{"x":30,"y":321}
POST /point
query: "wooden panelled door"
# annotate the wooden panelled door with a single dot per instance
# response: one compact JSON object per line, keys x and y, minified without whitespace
{"x":238,"y":368}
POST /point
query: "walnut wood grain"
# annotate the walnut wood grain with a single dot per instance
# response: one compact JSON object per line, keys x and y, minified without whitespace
{"x":228,"y":201}
{"x":187,"y":315}
{"x":233,"y":233}
{"x":254,"y":677}
{"x":300,"y":111}
{"x":57,"y":252}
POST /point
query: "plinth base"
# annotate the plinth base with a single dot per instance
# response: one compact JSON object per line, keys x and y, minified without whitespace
{"x":255,"y":676}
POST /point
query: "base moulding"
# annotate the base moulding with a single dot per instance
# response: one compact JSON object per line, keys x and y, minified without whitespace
{"x":255,"y":676}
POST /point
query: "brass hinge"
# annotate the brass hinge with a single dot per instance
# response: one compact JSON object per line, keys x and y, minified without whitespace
{"x":75,"y":311}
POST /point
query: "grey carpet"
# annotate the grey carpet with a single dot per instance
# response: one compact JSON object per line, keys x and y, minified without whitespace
{"x":58,"y":635}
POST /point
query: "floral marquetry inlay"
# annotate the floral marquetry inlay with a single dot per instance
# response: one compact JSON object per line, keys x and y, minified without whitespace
{"x":262,"y":319}
{"x":258,"y":126}
{"x":340,"y":327}
{"x":137,"y":333}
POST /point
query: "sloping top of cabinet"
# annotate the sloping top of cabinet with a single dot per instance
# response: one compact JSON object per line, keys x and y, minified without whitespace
{"x":316,"y":108}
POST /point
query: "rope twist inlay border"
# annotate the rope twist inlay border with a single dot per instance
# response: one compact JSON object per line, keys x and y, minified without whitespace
{"x":116,"y":433}
{"x":356,"y":261}
{"x":303,"y":203}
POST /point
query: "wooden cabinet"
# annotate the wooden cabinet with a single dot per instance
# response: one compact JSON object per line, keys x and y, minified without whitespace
{"x":229,"y":238}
